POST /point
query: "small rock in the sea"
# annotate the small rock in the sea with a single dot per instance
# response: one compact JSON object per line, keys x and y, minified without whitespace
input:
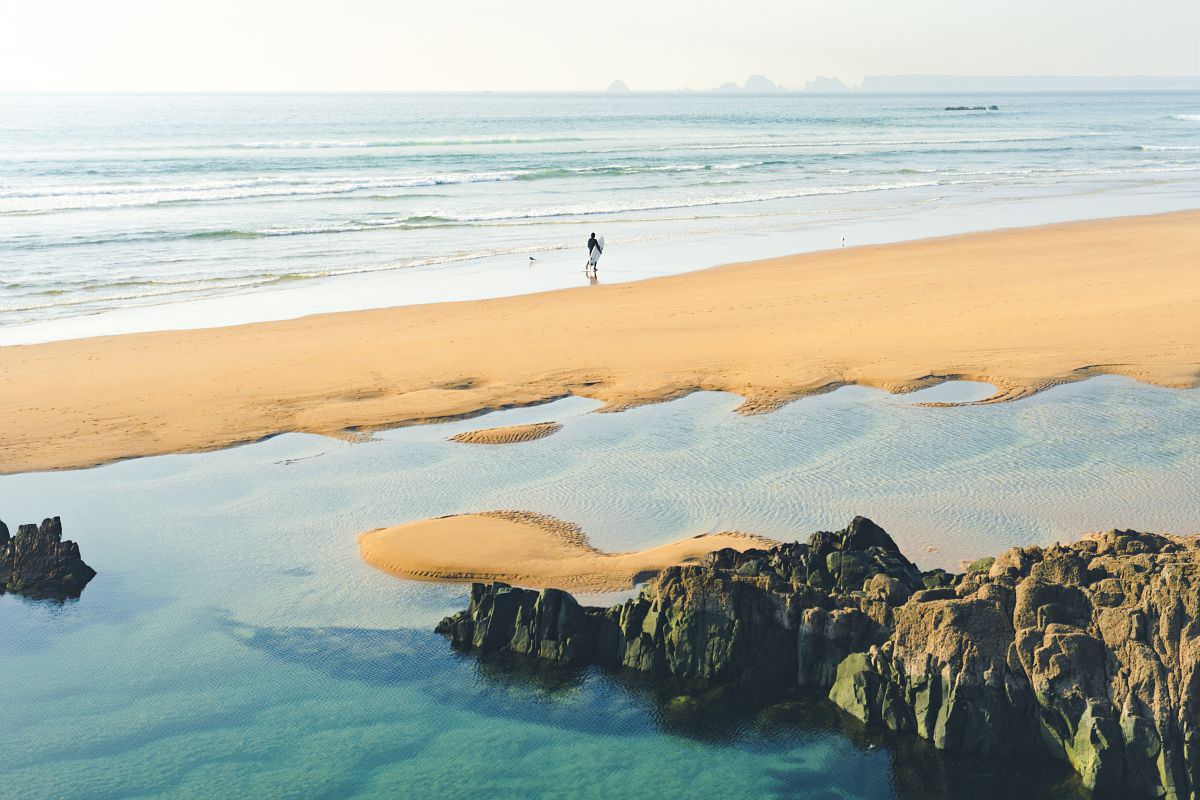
{"x":1087,"y":652}
{"x":37,"y":563}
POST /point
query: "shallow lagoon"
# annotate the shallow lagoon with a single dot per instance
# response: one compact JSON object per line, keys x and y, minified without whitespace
{"x":234,"y":645}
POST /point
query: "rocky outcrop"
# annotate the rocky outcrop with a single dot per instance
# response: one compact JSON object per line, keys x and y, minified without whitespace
{"x":37,"y":563}
{"x":761,"y":83}
{"x":1087,"y":652}
{"x":735,"y":619}
{"x":823,"y":84}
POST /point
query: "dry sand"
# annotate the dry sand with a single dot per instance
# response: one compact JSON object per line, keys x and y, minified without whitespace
{"x":526,"y":549}
{"x":508,"y":435}
{"x":1022,"y":309}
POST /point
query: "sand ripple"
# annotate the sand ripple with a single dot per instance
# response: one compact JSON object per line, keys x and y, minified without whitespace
{"x":508,"y":435}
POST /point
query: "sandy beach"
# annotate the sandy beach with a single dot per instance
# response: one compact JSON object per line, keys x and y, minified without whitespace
{"x":527,"y":549}
{"x":1023,"y":309}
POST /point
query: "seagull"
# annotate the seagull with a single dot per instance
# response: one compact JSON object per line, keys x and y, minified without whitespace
{"x":532,"y":259}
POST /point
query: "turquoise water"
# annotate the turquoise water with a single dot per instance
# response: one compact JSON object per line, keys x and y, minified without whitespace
{"x":279,"y":205}
{"x":233,"y":645}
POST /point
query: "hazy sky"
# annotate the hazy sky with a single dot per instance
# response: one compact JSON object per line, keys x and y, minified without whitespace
{"x":146,"y":45}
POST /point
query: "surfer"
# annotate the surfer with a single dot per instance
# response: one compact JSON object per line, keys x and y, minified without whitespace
{"x":594,"y":247}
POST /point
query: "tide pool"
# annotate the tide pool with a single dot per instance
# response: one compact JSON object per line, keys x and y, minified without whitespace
{"x":233,"y":645}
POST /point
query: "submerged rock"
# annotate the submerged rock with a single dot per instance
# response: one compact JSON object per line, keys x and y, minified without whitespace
{"x":1089,"y":653}
{"x":37,"y":563}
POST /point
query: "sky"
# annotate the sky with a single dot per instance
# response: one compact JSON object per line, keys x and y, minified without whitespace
{"x":438,"y":45}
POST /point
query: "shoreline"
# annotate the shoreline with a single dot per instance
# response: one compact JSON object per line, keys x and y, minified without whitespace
{"x":1078,"y":299}
{"x":492,"y":277}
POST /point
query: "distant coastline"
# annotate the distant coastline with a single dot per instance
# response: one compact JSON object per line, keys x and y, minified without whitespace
{"x":1025,"y":83}
{"x":936,"y":84}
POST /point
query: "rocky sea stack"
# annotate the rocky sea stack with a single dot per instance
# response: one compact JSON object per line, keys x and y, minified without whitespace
{"x":1086,"y":652}
{"x":37,"y":563}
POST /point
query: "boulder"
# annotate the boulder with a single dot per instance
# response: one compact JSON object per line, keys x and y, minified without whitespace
{"x":37,"y":563}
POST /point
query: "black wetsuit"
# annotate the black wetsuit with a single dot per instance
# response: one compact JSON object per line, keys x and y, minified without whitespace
{"x":593,"y":243}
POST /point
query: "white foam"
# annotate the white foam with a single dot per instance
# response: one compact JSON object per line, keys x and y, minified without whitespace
{"x":64,"y":198}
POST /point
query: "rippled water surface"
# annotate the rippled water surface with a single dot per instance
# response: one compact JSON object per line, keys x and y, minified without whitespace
{"x":233,"y":644}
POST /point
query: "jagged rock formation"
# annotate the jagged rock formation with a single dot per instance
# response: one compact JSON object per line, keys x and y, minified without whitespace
{"x":1087,"y":652}
{"x":37,"y":563}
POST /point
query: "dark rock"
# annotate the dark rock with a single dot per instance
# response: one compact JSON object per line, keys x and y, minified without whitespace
{"x":1089,"y":653}
{"x":757,"y":616}
{"x":37,"y":563}
{"x":548,"y":625}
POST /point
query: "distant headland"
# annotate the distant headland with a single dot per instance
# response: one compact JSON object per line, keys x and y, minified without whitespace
{"x":959,"y":83}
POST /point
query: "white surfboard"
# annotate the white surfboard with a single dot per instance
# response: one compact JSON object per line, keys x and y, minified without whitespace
{"x":594,"y":255}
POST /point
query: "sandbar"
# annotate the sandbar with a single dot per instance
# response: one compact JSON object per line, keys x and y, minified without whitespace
{"x":511,"y":434}
{"x":527,"y":549}
{"x":1022,"y":309}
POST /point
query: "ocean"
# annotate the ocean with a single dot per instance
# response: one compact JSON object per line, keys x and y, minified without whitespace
{"x":134,"y":212}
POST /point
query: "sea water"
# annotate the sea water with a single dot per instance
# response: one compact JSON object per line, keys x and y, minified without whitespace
{"x":233,"y":644}
{"x":134,"y":212}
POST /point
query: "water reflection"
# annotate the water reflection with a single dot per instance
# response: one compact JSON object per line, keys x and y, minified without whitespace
{"x":796,"y":729}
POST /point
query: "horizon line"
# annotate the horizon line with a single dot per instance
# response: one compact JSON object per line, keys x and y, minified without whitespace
{"x":721,"y":89}
{"x":721,"y":92}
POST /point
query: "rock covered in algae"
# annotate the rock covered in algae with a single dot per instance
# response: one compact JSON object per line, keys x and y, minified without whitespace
{"x":1087,"y":652}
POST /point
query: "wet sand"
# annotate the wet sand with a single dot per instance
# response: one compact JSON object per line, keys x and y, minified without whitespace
{"x":526,"y":549}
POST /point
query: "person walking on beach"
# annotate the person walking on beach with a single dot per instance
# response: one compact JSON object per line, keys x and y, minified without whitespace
{"x":594,"y":248}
